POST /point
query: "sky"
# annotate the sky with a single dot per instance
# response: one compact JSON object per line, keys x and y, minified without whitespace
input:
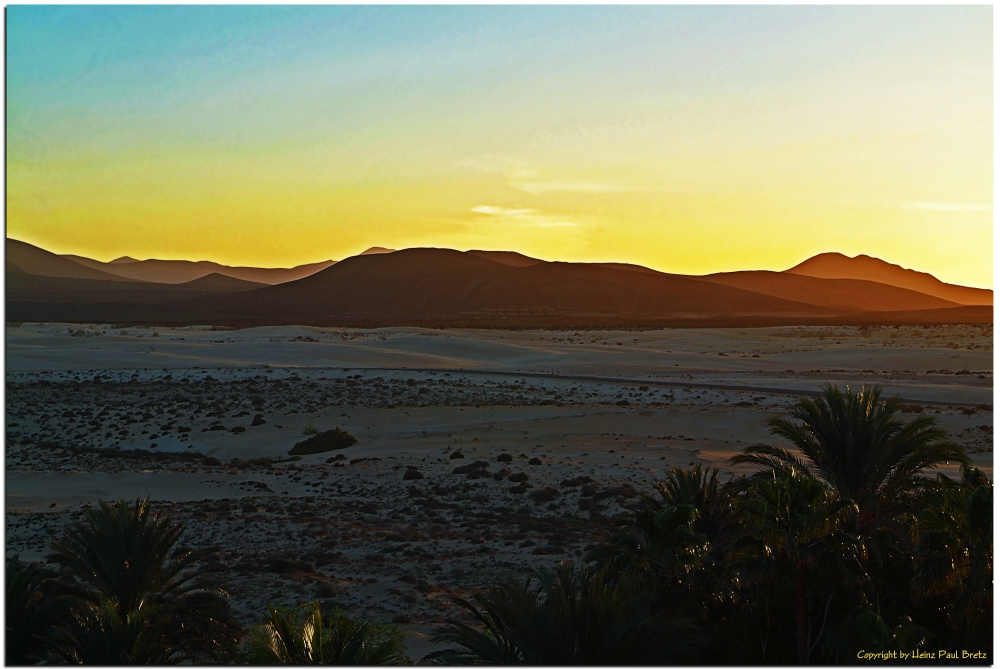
{"x":690,"y":139}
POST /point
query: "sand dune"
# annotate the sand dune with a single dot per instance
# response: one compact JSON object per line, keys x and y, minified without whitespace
{"x":839,"y":266}
{"x":609,"y":410}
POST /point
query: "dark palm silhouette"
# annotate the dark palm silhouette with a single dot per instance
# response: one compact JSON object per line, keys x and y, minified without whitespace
{"x":660,"y":541}
{"x":794,"y":531}
{"x":858,"y":445}
{"x":676,"y":539}
{"x":573,"y":616}
{"x":137,"y":605}
{"x":288,"y":638}
{"x":700,"y":488}
{"x":955,"y":552}
{"x":34,"y":609}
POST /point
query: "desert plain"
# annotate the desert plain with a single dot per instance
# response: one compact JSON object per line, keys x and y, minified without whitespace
{"x":480,"y":453}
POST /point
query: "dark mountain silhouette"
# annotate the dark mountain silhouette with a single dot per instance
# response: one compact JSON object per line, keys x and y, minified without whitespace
{"x":841,"y":293}
{"x":847,"y":294}
{"x":31,"y":297}
{"x":440,"y":284}
{"x":116,"y":261}
{"x":33,"y":260}
{"x":839,"y":266}
{"x":220,"y":283}
{"x":375,"y":250}
{"x":442,"y":287}
{"x":635,"y":268}
{"x":511,"y":258}
{"x":182,"y":271}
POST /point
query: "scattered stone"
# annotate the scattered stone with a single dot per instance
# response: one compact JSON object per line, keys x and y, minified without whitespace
{"x":543,"y":495}
{"x":577,"y":482}
{"x":331,"y":440}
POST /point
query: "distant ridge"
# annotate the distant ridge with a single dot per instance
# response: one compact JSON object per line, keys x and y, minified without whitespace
{"x":123,"y":260}
{"x":510,"y":258}
{"x":183,"y":271}
{"x":840,"y":266}
{"x":437,"y":287}
{"x":376,"y":250}
{"x":33,"y":260}
{"x":844,"y":293}
{"x":221,"y":283}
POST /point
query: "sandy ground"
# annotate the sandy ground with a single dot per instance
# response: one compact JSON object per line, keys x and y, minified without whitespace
{"x":588,"y":417}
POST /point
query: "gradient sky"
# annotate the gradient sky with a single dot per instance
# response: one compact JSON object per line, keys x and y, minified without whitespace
{"x":688,"y":139}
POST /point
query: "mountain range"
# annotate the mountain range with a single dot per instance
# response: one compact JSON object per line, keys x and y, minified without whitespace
{"x":443,"y":287}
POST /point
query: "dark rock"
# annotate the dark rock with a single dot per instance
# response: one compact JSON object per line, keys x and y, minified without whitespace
{"x":476,"y":469}
{"x":546,"y":494}
{"x":577,"y":482}
{"x":331,"y":440}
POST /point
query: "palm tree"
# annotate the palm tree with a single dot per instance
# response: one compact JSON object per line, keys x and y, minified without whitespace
{"x":288,"y":638}
{"x":856,"y":444}
{"x":34,"y":608}
{"x":701,"y":489}
{"x":510,"y":612}
{"x":955,"y":551}
{"x":100,"y":635}
{"x":572,"y":617}
{"x":793,"y":532}
{"x":138,"y":604}
{"x":660,"y":542}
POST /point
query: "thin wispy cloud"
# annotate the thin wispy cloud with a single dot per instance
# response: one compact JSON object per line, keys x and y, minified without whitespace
{"x":947,"y":206}
{"x":501,"y":211}
{"x":527,"y":217}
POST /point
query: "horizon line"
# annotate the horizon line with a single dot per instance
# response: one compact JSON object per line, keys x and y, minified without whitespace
{"x":448,"y":248}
